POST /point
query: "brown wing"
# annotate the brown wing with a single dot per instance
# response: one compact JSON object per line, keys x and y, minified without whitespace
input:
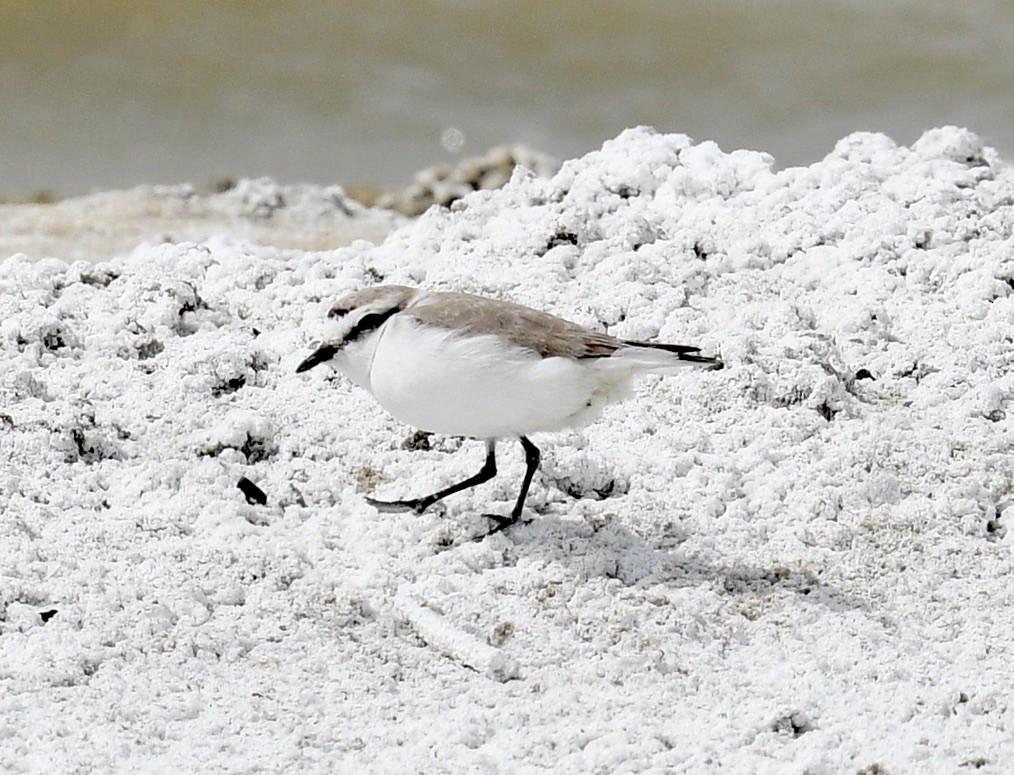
{"x":546,"y":334}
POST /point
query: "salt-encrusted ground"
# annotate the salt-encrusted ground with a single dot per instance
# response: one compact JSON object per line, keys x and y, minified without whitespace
{"x":801,"y":563}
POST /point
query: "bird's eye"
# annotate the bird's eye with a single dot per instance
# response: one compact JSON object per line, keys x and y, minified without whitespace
{"x":339,"y":311}
{"x":369,"y":322}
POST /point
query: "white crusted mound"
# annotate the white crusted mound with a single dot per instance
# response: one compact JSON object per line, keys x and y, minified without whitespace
{"x":799,"y":563}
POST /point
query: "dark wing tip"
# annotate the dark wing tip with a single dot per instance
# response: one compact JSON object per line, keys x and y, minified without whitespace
{"x":685,"y":352}
{"x":714,"y":363}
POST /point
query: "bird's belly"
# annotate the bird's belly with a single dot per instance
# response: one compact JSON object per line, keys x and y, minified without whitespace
{"x":476,"y":386}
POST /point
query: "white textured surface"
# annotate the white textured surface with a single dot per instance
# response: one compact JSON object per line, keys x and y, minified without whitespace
{"x":796,"y":568}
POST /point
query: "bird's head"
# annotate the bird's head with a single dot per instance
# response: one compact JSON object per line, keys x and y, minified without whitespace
{"x":356,"y":317}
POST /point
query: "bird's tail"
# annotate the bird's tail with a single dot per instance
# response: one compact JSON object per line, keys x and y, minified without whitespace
{"x":656,"y":355}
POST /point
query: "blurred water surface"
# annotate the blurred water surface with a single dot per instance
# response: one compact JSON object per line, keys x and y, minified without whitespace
{"x":113,"y":93}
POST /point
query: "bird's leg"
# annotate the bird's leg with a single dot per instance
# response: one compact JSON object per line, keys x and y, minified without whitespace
{"x":419,"y":505}
{"x":532,"y":456}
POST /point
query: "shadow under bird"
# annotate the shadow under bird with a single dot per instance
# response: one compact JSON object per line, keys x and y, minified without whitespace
{"x":464,"y":365}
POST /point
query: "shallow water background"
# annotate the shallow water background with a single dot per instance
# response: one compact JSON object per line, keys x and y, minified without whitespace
{"x":114,"y":93}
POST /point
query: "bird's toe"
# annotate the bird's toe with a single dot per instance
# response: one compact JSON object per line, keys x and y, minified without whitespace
{"x":393,"y":507}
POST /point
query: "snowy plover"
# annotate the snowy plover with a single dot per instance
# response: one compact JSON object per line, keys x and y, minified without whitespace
{"x":464,"y":365}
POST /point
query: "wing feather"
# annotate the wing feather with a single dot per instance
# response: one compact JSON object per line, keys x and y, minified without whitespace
{"x":546,"y":334}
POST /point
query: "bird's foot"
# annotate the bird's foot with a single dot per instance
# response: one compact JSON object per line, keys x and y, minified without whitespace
{"x":500,"y":524}
{"x":417,"y":505}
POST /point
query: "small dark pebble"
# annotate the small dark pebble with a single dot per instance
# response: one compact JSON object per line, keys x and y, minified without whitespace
{"x":253,"y":493}
{"x":864,"y":374}
{"x":228,"y":386}
{"x":47,"y":615}
{"x":418,"y":441}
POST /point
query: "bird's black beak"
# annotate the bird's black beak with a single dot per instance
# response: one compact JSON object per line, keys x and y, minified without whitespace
{"x":317,"y":357}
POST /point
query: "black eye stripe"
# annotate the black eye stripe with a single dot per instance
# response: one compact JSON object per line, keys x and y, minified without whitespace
{"x":369,"y":323}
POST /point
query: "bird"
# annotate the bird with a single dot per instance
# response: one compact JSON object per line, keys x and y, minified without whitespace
{"x":458,"y":364}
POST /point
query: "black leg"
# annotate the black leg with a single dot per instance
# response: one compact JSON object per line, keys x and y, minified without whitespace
{"x":532,"y":456}
{"x":419,"y":505}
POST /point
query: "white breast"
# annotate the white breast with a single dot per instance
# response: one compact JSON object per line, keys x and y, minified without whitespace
{"x":481,"y":386}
